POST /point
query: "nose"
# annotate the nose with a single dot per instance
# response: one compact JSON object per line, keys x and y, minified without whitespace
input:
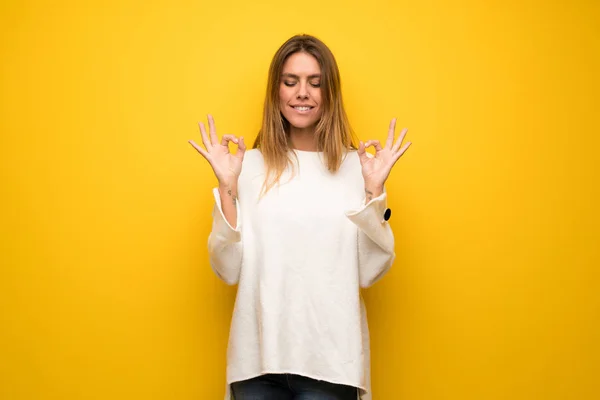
{"x":302,"y":91}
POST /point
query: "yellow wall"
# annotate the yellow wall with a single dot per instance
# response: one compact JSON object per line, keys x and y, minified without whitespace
{"x":106,"y":292}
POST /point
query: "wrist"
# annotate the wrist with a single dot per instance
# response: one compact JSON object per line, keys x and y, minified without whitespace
{"x":373,"y":191}
{"x":376,"y":189}
{"x":228,"y":193}
{"x":229,"y":189}
{"x":224,"y":186}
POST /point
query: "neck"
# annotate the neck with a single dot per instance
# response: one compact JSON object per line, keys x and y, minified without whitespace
{"x":303,"y":138}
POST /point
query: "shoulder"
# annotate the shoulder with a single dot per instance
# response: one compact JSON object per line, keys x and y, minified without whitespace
{"x":350,"y":164}
{"x":354,"y":153}
{"x":352,"y":157}
{"x":253,"y":161}
{"x":253,"y":156}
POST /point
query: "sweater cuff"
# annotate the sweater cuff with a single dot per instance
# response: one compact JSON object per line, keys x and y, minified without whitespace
{"x":222,"y":226}
{"x":374,"y":210}
{"x":370,"y":220}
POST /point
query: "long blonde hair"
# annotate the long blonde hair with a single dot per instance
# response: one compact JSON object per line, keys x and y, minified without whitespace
{"x":333,"y":133}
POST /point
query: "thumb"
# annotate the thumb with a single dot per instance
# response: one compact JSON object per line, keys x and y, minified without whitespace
{"x":241,"y":148}
{"x":362,"y":152}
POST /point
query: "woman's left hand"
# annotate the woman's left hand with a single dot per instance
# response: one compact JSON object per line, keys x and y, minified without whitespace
{"x":376,"y":169}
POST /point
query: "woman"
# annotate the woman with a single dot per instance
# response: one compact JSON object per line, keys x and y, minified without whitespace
{"x":300,"y":224}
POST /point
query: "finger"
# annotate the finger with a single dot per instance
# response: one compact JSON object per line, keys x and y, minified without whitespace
{"x":241,"y":148}
{"x":362,"y":152}
{"x":405,"y":147}
{"x":376,"y":144}
{"x":205,"y":139}
{"x":200,"y":149}
{"x":399,"y":141}
{"x":228,"y":138}
{"x":213,"y":130}
{"x":402,"y":150}
{"x":361,"y":147}
{"x":391,"y":131}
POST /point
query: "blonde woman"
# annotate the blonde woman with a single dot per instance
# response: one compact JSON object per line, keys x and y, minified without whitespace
{"x":300,"y":225}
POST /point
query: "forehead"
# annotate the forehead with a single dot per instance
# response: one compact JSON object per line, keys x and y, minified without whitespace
{"x":301,"y":64}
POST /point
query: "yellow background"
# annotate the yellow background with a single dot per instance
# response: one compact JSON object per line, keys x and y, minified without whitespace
{"x":106,"y":291}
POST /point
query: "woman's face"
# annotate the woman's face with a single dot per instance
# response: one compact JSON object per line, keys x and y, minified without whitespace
{"x":300,"y":90}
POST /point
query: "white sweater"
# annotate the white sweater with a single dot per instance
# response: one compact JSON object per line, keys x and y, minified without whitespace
{"x":299,"y":257}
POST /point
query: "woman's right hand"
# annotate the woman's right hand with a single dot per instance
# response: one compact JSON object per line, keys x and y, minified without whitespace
{"x":226,"y":166}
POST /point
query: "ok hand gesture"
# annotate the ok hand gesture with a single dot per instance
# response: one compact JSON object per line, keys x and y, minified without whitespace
{"x":226,"y":166}
{"x":376,"y":169}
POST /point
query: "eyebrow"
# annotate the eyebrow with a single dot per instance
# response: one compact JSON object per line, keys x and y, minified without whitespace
{"x":288,"y":75}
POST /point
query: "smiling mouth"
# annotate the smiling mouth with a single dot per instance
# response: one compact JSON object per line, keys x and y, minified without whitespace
{"x":302,"y":108}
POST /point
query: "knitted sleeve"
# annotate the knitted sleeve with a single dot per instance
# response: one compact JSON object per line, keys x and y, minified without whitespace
{"x":375,"y":240}
{"x":225,"y":244}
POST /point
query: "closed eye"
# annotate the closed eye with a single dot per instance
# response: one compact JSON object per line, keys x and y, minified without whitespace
{"x":313,"y":84}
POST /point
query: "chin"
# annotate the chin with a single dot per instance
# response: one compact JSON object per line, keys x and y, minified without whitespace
{"x":301,"y":123}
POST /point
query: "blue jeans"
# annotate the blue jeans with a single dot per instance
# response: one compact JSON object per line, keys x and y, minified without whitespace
{"x":290,"y":387}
